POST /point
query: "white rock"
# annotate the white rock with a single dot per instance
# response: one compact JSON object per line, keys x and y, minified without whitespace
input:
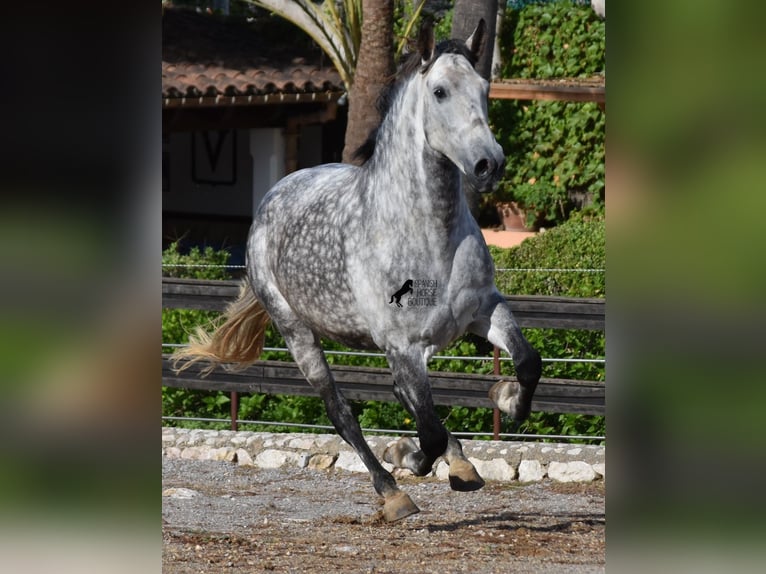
{"x":301,"y":443}
{"x":244,"y":458}
{"x":350,"y":461}
{"x":575,"y":471}
{"x":173,"y":452}
{"x":531,"y":471}
{"x":272,"y":458}
{"x":224,"y":453}
{"x":600,"y":468}
{"x":183,"y":493}
{"x":322,"y":439}
{"x":495,"y":469}
{"x":442,"y":470}
{"x":192,"y":452}
{"x":320,"y":461}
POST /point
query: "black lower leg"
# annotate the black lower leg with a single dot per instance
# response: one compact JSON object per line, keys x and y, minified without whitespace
{"x":431,"y":432}
{"x":529,"y":367}
{"x":347,"y":425}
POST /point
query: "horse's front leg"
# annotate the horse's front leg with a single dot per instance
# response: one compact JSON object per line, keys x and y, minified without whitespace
{"x":413,"y":390}
{"x":497,"y":324}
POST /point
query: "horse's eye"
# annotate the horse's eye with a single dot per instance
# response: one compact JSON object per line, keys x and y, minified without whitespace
{"x":440,"y":93}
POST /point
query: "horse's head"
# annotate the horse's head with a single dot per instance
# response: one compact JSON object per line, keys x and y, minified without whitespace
{"x":455,"y":106}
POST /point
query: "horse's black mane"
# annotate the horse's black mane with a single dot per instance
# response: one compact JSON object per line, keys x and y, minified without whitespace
{"x":409,"y":64}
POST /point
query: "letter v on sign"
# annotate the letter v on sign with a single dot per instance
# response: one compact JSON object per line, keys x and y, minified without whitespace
{"x":214,"y":162}
{"x":214,"y":154}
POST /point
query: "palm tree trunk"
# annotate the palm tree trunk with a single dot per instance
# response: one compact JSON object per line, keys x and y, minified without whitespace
{"x":465,"y":17}
{"x":375,"y":63}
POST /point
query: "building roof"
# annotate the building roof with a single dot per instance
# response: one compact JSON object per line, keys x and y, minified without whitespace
{"x":216,"y":60}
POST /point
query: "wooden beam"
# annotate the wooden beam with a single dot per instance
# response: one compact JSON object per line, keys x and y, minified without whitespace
{"x":364,"y":383}
{"x":569,"y":91}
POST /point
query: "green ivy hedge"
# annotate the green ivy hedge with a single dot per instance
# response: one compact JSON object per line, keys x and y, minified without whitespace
{"x":554,"y":150}
{"x":576,"y":243}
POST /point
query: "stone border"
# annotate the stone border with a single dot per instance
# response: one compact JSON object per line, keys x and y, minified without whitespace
{"x":495,"y":461}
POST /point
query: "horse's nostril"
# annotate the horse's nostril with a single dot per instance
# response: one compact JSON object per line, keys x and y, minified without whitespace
{"x":483,"y":168}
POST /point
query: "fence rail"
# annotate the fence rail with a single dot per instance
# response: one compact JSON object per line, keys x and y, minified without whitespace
{"x":371,"y":384}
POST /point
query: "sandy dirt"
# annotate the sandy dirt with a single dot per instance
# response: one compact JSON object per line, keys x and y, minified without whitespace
{"x":218,"y":517}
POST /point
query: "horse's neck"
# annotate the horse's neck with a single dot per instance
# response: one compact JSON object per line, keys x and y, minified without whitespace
{"x":406,"y":176}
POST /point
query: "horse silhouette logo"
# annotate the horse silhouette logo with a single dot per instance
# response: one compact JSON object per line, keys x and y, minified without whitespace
{"x":406,"y":288}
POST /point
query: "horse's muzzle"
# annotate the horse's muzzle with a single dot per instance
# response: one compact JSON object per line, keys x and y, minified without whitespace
{"x":486,"y":172}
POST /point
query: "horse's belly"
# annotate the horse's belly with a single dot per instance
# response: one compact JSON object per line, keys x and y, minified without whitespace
{"x":326,"y":304}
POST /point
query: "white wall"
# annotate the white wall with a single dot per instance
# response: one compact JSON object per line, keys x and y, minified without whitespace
{"x":267,"y":151}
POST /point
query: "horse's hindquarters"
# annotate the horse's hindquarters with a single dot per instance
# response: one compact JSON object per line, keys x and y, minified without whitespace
{"x":297,"y":252}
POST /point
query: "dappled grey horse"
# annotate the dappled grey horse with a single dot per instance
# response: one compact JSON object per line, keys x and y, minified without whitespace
{"x":331,"y":245}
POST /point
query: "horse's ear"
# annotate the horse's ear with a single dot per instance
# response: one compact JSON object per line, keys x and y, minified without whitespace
{"x":477,"y":40}
{"x":426,"y":41}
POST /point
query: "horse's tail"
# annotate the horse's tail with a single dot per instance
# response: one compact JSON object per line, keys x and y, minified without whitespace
{"x":238,"y":337}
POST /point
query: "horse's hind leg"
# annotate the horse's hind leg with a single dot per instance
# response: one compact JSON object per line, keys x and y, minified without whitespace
{"x":305,"y":348}
{"x":413,"y":390}
{"x":498,"y":325}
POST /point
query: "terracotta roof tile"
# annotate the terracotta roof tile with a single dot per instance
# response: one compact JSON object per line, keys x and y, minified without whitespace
{"x":204,"y":55}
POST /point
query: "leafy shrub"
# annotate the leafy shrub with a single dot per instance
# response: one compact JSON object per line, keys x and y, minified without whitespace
{"x":580,"y":243}
{"x":206,"y":263}
{"x":554,"y":150}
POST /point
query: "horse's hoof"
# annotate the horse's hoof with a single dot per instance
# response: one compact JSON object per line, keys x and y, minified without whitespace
{"x":463,"y":476}
{"x":505,"y":395}
{"x":398,"y":506}
{"x":395,"y":453}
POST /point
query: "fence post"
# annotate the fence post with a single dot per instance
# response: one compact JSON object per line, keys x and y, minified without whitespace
{"x":234,"y":410}
{"x":496,"y":411}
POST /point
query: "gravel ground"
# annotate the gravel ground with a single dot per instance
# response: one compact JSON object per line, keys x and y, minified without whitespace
{"x":219,"y":517}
